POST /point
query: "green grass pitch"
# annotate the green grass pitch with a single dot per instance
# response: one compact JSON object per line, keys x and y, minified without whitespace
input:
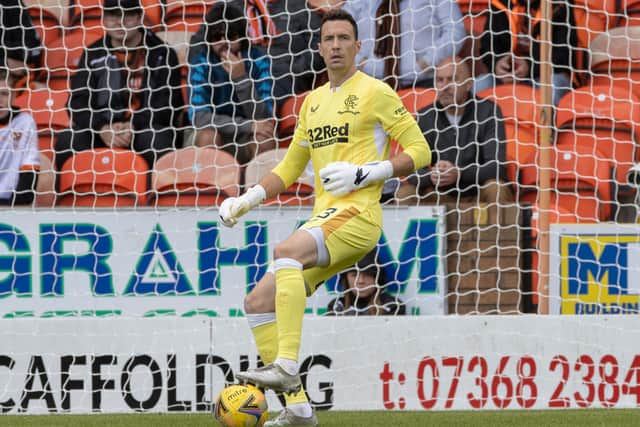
{"x":559,"y":418}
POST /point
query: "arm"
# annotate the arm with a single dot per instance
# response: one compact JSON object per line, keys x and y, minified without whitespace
{"x":24,"y":193}
{"x":340,"y":178}
{"x":175,"y":83}
{"x":275,"y":182}
{"x":199,"y":88}
{"x":82,"y":116}
{"x":490,"y":143}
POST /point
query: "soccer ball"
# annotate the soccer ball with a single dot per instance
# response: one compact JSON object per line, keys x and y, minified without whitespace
{"x":241,"y":406}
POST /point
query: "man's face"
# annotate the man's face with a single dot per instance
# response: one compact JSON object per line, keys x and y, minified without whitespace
{"x":338,"y":45}
{"x":5,"y":97}
{"x":121,"y":26}
{"x":452,"y":85}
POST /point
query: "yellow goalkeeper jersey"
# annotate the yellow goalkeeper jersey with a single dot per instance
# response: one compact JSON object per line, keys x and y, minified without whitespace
{"x":351,"y":123}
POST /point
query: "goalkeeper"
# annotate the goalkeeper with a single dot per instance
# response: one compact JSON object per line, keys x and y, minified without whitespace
{"x":344,"y":128}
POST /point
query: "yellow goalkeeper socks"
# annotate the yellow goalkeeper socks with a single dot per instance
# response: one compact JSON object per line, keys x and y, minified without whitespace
{"x":291,"y":299}
{"x":265,"y":333}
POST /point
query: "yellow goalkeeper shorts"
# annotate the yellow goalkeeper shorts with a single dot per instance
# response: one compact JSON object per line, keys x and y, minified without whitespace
{"x":348,"y":235}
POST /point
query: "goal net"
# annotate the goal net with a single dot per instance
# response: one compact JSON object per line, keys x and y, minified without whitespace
{"x":130,"y":121}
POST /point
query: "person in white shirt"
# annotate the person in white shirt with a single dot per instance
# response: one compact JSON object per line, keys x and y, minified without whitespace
{"x":19,"y":156}
{"x":430,"y":30}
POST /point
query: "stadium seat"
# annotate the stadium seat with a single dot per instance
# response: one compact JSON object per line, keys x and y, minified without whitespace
{"x":186,"y":15}
{"x":603,"y":120}
{"x":62,"y":57}
{"x":49,"y":18}
{"x":86,"y":15}
{"x":299,"y":193}
{"x":288,"y":114}
{"x":416,"y":99}
{"x":46,"y":187}
{"x":615,"y":59}
{"x":520,"y":106}
{"x":49,"y":111}
{"x":104,"y":177}
{"x":194,"y":176}
{"x":593,"y":17}
{"x":580,"y":181}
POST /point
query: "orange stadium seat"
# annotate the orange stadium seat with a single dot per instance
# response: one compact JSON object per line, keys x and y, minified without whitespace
{"x":603,"y":120}
{"x":103,"y":177}
{"x":288,"y":114}
{"x":46,"y":187}
{"x":520,"y":106}
{"x":299,"y":193}
{"x":186,"y":15}
{"x":49,"y":18}
{"x":194,"y":176}
{"x":615,"y":59}
{"x":580,"y":182}
{"x":416,"y":99}
{"x":49,"y":111}
{"x":593,"y":17}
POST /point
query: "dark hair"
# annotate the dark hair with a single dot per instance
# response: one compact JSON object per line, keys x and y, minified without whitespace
{"x":339,"y":15}
{"x":226,"y":21}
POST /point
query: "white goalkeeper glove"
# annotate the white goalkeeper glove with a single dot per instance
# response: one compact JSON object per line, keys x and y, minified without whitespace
{"x":232,"y":208}
{"x":340,"y":178}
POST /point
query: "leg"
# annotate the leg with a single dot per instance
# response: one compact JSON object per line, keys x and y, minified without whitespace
{"x":298,"y":251}
{"x":207,"y":137}
{"x":497,"y":195}
{"x":260,"y":308}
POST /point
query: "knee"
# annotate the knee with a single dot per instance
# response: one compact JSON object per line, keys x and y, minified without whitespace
{"x":495,"y":191}
{"x":253,"y":304}
{"x":283,"y":251}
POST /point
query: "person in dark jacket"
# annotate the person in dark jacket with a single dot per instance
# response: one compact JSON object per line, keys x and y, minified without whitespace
{"x":230,"y":86}
{"x":364,"y":292}
{"x":467,"y":140}
{"x":510,"y":45}
{"x":126,"y":92}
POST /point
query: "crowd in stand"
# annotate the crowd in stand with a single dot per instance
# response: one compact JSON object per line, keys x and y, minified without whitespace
{"x":243,"y":63}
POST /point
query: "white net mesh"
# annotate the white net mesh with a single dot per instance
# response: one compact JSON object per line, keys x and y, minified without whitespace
{"x":141,"y":124}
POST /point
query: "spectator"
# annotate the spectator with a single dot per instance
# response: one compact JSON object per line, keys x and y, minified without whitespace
{"x":21,"y":42}
{"x":510,"y":45}
{"x":126,"y":92}
{"x":364,"y":291}
{"x":430,"y":30}
{"x":467,"y":139}
{"x":290,"y":32}
{"x":230,"y":86}
{"x":19,"y":156}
